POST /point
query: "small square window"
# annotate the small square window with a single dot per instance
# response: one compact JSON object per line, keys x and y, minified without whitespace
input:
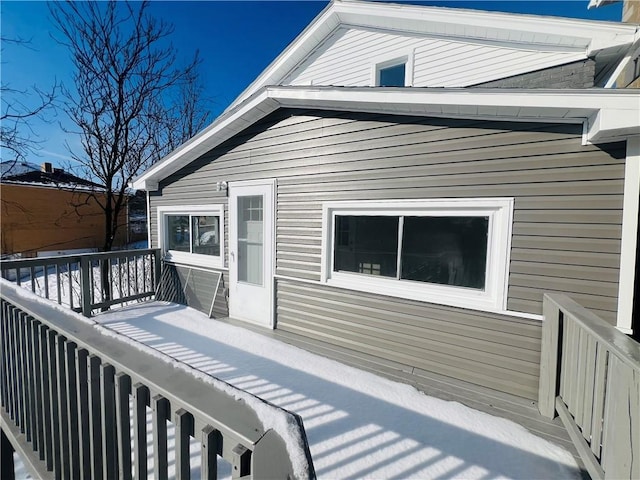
{"x":392,"y":76}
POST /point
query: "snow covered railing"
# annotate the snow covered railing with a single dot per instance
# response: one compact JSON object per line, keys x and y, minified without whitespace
{"x":89,"y":281}
{"x":76,"y":401}
{"x":590,"y":376}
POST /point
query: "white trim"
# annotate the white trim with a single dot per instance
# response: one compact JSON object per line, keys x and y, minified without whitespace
{"x":268,"y":279}
{"x":493,"y":298}
{"x":401,"y":57}
{"x":628,"y":247}
{"x":611,"y":114}
{"x":197,"y":267}
{"x":626,"y":331}
{"x":272,"y":182}
{"x":186,"y":258}
{"x":148,"y":220}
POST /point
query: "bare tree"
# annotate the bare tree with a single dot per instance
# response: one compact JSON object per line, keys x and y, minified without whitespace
{"x":127,"y":97}
{"x":19,"y":107}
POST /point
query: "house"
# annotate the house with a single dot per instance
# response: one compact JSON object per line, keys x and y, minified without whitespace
{"x":47,"y":210}
{"x":406,"y":182}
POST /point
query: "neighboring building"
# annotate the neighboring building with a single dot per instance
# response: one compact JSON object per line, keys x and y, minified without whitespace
{"x":407,"y":182}
{"x":49,"y":211}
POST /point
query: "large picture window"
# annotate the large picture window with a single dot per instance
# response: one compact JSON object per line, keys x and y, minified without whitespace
{"x":453,"y":252}
{"x":192,"y":234}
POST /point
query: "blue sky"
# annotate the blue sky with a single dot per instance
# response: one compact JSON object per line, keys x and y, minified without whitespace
{"x":236,"y":40}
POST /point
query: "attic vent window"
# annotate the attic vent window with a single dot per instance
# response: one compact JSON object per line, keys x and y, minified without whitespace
{"x":392,"y":76}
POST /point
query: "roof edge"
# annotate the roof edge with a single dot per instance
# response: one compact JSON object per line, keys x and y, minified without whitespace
{"x":596,"y":35}
{"x":608,"y":114}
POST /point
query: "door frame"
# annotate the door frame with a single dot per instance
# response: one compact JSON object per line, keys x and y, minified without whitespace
{"x":269,"y":239}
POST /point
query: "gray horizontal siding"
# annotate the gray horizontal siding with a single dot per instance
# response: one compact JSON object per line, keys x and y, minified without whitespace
{"x":566,"y":231}
{"x":495,"y":351}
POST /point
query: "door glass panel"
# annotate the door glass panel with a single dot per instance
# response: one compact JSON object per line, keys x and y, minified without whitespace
{"x":250,"y":239}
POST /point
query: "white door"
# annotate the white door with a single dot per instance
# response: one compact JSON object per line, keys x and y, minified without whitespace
{"x":251,"y":251}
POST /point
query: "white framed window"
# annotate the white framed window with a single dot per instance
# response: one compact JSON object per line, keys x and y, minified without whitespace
{"x":192,"y":234}
{"x":451,"y":251}
{"x":394,"y":71}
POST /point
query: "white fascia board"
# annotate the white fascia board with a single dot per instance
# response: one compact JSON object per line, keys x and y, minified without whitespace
{"x":611,"y":124}
{"x":569,"y":104}
{"x":611,"y":114}
{"x":497,"y":25}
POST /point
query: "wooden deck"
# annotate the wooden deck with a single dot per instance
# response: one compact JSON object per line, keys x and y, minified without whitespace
{"x":517,"y":409}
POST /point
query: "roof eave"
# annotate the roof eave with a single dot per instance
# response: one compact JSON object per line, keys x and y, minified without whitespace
{"x":608,"y":114}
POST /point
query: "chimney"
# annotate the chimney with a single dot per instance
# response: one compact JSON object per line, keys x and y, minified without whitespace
{"x":46,"y":167}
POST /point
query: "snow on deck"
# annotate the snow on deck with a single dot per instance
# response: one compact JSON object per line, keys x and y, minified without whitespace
{"x":358,"y":425}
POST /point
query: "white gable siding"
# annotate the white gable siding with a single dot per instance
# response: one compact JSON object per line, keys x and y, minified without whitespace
{"x":348,"y":58}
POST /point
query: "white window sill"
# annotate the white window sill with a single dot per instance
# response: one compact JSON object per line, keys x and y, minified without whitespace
{"x":194,"y":259}
{"x":423,"y":292}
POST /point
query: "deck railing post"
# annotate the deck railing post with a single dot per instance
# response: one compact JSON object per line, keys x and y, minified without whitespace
{"x":108,"y":419}
{"x":72,"y":409}
{"x":140,"y":403}
{"x":240,"y":461}
{"x":82,"y":393}
{"x":160,"y":415}
{"x":85,"y":285}
{"x":184,"y":429}
{"x":210,"y":445}
{"x":7,"y":470}
{"x":123,"y":390}
{"x":31,"y":385}
{"x":95,"y":416}
{"x":45,"y":408}
{"x":549,"y":358}
{"x":63,"y":414}
{"x":54,"y":405}
{"x":157,"y":271}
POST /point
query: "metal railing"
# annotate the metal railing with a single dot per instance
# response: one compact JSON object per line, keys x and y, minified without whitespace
{"x":75,"y":402}
{"x":590,"y":376}
{"x":90,"y":281}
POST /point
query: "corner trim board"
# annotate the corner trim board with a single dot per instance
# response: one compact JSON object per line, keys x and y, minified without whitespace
{"x":629,"y":247}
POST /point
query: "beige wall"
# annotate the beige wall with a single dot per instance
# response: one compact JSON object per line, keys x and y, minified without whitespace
{"x":36,"y":219}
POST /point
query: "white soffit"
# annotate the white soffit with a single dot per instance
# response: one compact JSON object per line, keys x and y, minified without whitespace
{"x":581,"y":35}
{"x":608,"y":115}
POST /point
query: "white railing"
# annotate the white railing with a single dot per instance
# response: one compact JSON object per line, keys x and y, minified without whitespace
{"x":590,"y":376}
{"x":75,"y":404}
